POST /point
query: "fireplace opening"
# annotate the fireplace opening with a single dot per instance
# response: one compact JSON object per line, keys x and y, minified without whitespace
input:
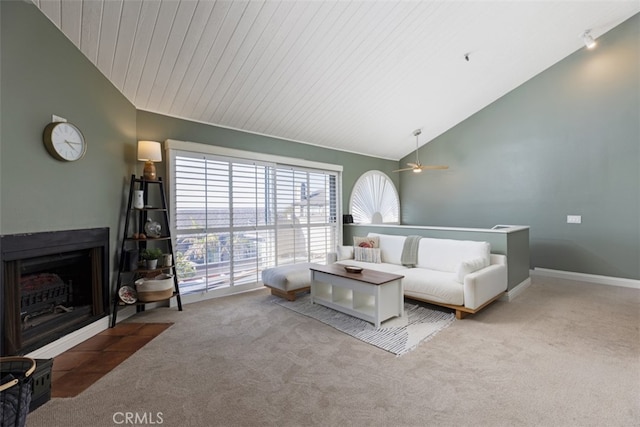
{"x":53,"y":284}
{"x":55,"y":293}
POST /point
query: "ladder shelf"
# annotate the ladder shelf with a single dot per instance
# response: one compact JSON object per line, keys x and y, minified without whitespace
{"x":135,"y":240}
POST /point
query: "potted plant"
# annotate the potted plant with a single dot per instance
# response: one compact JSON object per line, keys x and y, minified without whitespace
{"x":151,"y":255}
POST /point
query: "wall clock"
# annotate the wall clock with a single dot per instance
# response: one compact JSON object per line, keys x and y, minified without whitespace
{"x":64,"y":141}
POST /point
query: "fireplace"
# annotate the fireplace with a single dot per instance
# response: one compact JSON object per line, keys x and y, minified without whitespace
{"x":53,"y":283}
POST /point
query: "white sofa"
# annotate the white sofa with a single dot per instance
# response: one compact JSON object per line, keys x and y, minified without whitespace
{"x":459,"y":274}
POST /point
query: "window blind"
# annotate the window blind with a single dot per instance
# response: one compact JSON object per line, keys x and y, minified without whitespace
{"x":235,"y":217}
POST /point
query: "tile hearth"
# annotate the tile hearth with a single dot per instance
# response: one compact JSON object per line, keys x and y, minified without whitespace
{"x":79,"y":367}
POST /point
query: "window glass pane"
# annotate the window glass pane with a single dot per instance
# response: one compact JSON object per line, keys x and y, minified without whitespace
{"x":321,"y":242}
{"x":234,"y":218}
{"x":318,"y":199}
{"x":202,"y":261}
{"x":249,"y":196}
{"x":291,"y":190}
{"x":245,"y":257}
{"x":190,"y":190}
{"x":217,"y":200}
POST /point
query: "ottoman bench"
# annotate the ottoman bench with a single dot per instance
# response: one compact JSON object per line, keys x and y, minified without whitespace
{"x":286,"y":280}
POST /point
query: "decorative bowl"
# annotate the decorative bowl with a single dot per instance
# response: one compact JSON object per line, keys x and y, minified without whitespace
{"x":127,"y":294}
{"x":353,"y":269}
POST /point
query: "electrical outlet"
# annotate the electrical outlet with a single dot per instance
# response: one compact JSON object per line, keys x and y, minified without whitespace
{"x":574,"y":219}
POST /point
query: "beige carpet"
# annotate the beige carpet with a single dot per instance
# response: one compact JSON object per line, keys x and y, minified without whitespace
{"x":561,"y":354}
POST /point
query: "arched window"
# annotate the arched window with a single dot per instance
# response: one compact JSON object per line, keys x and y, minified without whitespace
{"x":374,"y":200}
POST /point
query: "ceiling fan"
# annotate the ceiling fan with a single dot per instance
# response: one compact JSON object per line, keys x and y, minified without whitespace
{"x":418,"y":167}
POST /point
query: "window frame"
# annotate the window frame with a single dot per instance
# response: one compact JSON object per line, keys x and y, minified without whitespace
{"x":175,"y":148}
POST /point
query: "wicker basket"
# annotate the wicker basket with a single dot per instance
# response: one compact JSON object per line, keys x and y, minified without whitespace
{"x":15,"y":390}
{"x":158,"y":288}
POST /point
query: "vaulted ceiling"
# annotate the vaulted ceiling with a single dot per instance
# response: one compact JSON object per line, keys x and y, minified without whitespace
{"x":359,"y":76}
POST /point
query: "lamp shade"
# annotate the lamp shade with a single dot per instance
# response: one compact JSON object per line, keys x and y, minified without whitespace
{"x":149,"y":151}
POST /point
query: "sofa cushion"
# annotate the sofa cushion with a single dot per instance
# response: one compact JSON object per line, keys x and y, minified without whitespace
{"x":383,"y":266}
{"x":344,"y":252}
{"x":390,"y":247}
{"x":432,"y":285}
{"x":446,"y":254}
{"x":366,"y":242}
{"x":469,"y":266}
{"x":367,"y":254}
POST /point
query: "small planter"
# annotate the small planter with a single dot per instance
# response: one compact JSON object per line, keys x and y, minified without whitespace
{"x":151,"y":255}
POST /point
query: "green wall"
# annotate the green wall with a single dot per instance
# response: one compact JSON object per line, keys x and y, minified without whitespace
{"x":567,"y":142}
{"x":157,"y":127}
{"x":43,"y":73}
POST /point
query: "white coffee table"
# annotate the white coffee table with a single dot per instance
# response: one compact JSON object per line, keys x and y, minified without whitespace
{"x":371,"y":295}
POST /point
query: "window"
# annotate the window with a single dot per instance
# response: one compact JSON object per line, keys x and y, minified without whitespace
{"x":234,"y":217}
{"x":374,"y":200}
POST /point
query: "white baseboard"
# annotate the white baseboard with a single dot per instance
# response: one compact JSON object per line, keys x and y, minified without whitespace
{"x":583,"y":277}
{"x":76,"y":337}
{"x":517,"y":290}
{"x":217,"y":293}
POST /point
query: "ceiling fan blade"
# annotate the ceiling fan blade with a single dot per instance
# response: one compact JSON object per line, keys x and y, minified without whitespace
{"x":405,"y":169}
{"x":414,"y":165}
{"x":434,"y":167}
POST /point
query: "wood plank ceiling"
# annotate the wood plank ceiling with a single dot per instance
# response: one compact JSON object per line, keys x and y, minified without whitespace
{"x":358,"y":76}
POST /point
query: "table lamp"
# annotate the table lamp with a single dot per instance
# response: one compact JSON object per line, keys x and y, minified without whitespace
{"x":149,"y":152}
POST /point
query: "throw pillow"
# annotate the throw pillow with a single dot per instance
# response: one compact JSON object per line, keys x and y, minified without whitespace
{"x":367,"y":242}
{"x":344,"y":252}
{"x":469,"y":266}
{"x":367,"y":254}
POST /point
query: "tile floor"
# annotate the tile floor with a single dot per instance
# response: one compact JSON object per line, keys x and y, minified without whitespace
{"x":79,"y":367}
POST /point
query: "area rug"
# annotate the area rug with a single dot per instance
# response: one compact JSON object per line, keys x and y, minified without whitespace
{"x":397,"y":335}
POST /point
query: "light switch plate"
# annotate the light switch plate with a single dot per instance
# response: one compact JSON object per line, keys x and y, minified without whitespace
{"x":574,"y":219}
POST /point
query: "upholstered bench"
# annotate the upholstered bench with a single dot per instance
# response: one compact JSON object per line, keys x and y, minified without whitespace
{"x":286,"y":280}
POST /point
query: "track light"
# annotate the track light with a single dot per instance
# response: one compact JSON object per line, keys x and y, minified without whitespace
{"x":589,"y":42}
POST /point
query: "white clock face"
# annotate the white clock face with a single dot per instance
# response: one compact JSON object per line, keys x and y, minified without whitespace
{"x":68,"y":142}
